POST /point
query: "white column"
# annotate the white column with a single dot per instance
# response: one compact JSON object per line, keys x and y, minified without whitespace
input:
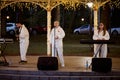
{"x":0,"y":28}
{"x":95,"y":20}
{"x":0,"y":23}
{"x":48,"y":31}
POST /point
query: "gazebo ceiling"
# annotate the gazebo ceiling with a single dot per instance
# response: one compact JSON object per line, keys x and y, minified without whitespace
{"x":43,"y":3}
{"x":50,"y":4}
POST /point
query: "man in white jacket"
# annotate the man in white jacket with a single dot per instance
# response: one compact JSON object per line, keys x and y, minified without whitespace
{"x":101,"y":34}
{"x":23,"y":40}
{"x":56,"y":40}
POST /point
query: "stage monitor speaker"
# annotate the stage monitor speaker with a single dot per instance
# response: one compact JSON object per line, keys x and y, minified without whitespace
{"x":101,"y":64}
{"x":47,"y":63}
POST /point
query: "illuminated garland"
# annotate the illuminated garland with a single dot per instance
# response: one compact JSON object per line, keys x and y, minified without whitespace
{"x":115,"y":3}
{"x":69,"y":4}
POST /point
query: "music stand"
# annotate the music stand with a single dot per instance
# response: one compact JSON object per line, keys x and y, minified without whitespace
{"x":3,"y":43}
{"x":101,"y":42}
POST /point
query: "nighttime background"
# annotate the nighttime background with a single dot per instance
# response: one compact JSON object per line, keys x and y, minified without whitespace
{"x":70,"y":19}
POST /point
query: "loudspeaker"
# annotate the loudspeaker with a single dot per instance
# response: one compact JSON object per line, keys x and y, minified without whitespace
{"x":47,"y":63}
{"x":101,"y":64}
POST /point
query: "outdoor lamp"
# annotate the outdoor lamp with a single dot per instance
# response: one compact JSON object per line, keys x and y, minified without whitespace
{"x":90,"y":4}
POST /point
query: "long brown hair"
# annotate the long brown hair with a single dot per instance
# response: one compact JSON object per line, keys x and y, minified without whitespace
{"x":104,"y":28}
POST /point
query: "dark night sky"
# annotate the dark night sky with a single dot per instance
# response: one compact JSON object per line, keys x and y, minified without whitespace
{"x":115,"y":19}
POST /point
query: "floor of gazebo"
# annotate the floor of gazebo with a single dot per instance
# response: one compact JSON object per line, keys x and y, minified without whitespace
{"x":74,"y":66}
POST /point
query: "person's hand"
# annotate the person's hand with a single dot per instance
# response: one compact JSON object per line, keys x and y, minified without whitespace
{"x":103,"y":38}
{"x":17,"y":37}
{"x":98,"y":39}
{"x":56,"y":37}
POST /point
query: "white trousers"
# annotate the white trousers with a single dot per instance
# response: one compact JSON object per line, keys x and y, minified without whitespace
{"x":23,"y":49}
{"x":58,"y":50}
{"x":103,"y":51}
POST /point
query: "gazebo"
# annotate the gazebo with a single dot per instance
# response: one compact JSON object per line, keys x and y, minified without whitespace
{"x":49,"y":5}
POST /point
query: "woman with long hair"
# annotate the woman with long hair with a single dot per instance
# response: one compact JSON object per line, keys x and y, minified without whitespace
{"x":101,"y":34}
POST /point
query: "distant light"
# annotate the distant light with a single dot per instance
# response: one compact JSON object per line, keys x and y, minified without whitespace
{"x":82,"y":19}
{"x":8,"y":17}
{"x":90,"y":4}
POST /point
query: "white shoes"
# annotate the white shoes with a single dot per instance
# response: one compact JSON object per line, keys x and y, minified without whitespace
{"x":62,"y":65}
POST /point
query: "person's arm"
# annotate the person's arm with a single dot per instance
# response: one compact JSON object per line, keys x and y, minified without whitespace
{"x":62,"y":34}
{"x":106,"y":36}
{"x":96,"y":36}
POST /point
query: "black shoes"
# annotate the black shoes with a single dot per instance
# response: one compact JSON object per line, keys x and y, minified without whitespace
{"x":22,"y":62}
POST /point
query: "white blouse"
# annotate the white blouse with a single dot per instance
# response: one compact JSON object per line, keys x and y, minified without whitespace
{"x":100,"y":36}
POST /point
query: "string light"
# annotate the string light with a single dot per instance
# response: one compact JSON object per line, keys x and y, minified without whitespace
{"x":69,"y":4}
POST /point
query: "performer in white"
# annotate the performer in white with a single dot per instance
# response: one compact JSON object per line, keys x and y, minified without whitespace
{"x":23,"y":40}
{"x":101,"y":34}
{"x":56,"y":41}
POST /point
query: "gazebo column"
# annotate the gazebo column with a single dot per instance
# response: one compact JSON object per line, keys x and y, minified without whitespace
{"x":0,"y":29}
{"x":95,"y":20}
{"x":96,"y":7}
{"x":48,"y":31}
{"x":0,"y":23}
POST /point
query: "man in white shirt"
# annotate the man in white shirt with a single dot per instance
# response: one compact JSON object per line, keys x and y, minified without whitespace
{"x":56,"y":40}
{"x":23,"y":40}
